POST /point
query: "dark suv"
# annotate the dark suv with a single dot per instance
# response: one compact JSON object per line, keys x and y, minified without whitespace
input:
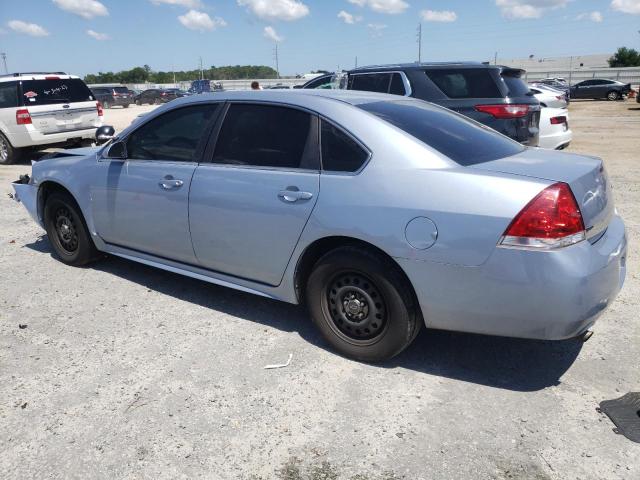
{"x":491,"y":94}
{"x":113,"y":96}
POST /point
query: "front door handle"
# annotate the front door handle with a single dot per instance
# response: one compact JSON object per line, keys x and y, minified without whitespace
{"x":170,"y":183}
{"x":294,"y":195}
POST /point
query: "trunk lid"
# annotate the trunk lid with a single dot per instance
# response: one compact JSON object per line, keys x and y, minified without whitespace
{"x":585,"y":175}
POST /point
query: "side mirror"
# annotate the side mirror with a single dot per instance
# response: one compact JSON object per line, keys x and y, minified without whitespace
{"x":117,"y":151}
{"x":104,"y":134}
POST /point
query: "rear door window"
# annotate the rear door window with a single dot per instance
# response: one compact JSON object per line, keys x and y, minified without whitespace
{"x":464,"y":141}
{"x":465,"y":82}
{"x":397,"y":85}
{"x":173,"y":136}
{"x":8,"y":94}
{"x":55,"y":91}
{"x":370,"y":82}
{"x":340,"y":152}
{"x":267,"y":136}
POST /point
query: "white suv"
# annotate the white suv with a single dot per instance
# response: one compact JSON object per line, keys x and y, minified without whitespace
{"x":43,"y":109}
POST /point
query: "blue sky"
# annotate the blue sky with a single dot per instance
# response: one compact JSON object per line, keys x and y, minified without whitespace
{"x":86,"y":36}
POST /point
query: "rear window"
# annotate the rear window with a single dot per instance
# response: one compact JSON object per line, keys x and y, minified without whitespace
{"x":121,"y":90}
{"x":464,"y":141}
{"x":48,"y":92}
{"x":465,"y":82}
{"x":516,"y":86}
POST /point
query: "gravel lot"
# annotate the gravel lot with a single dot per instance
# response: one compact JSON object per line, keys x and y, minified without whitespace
{"x":124,"y":371}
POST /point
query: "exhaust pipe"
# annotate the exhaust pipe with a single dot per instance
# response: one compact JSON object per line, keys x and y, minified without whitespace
{"x":585,"y":336}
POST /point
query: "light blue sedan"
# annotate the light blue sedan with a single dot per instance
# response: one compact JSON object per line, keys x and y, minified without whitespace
{"x":380,"y":213}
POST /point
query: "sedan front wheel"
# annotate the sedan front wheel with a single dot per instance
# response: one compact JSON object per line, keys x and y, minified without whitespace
{"x":361,"y":304}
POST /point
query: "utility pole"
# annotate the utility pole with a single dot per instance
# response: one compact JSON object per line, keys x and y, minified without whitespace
{"x":570,"y":69}
{"x":419,"y":42}
{"x":356,"y":61}
{"x":277,"y":64}
{"x":201,"y":73}
{"x":495,"y":58}
{"x":4,"y":61}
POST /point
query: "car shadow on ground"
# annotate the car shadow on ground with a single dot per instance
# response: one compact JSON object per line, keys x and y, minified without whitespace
{"x":506,"y":363}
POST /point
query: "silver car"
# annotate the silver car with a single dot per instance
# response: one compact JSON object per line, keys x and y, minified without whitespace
{"x":380,"y":213}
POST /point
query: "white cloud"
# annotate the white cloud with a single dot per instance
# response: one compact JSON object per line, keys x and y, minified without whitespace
{"x":626,"y":6}
{"x":593,"y":16}
{"x":383,"y":6}
{"x":97,"y":35}
{"x":83,"y":8}
{"x":438,"y":16}
{"x":287,"y":10}
{"x":32,"y":29}
{"x":528,"y":8}
{"x":349,"y":18}
{"x":200,"y":21}
{"x":271,"y":34}
{"x":180,"y":3}
{"x":376,"y":29}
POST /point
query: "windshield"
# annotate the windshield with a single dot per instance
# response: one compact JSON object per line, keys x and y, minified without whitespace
{"x":53,"y":91}
{"x":464,"y":141}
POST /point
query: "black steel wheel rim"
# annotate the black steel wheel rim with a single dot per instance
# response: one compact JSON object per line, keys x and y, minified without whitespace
{"x":355,"y":307}
{"x":66,"y":229}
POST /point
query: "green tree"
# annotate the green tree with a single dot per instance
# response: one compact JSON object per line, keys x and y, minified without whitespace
{"x":625,"y":57}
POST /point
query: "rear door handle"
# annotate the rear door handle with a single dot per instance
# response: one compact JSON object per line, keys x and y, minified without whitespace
{"x":170,"y":183}
{"x":294,"y":195}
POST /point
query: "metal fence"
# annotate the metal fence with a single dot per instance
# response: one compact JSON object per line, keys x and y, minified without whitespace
{"x":626,"y":75}
{"x":226,"y":84}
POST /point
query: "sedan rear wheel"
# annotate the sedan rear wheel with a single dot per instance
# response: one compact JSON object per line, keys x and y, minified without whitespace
{"x":67,"y":230}
{"x":361,"y":304}
{"x":613,"y":95}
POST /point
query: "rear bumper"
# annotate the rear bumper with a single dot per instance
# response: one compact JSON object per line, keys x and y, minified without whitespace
{"x":30,"y":137}
{"x":556,"y":140}
{"x":521,"y":293}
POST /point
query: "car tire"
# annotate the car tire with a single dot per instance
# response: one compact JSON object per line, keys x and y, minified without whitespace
{"x":138,"y":102}
{"x":613,"y":95}
{"x":126,"y":105}
{"x":362,"y":304}
{"x":157,"y":101}
{"x":67,"y":230}
{"x":8,"y":153}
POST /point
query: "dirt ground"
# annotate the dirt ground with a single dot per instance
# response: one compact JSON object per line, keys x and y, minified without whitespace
{"x":125,"y":371}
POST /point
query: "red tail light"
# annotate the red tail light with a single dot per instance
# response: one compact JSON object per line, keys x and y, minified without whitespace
{"x":100,"y":111}
{"x":558,"y":120}
{"x":551,"y":220}
{"x":163,"y":94}
{"x":504,"y":111}
{"x":23,"y":117}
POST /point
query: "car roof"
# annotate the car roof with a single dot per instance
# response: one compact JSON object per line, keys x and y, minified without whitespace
{"x":299,"y":97}
{"x":422,"y":65}
{"x":12,"y":77}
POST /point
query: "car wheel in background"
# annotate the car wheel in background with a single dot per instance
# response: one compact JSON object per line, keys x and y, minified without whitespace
{"x":362,"y":304}
{"x":613,"y":95}
{"x":67,"y":231}
{"x":157,"y":101}
{"x":8,"y":153}
{"x":138,"y":102}
{"x":126,"y":105}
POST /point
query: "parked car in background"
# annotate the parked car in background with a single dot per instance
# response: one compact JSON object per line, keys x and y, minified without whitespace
{"x":322,"y":81}
{"x":599,"y":88}
{"x":39,"y":110}
{"x":550,"y":97}
{"x":155,"y":96}
{"x":494,"y":95}
{"x":555,"y":133}
{"x":379,"y":212}
{"x":200,"y":86}
{"x":112,"y":96}
{"x":553,"y":83}
{"x":179,"y":93}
